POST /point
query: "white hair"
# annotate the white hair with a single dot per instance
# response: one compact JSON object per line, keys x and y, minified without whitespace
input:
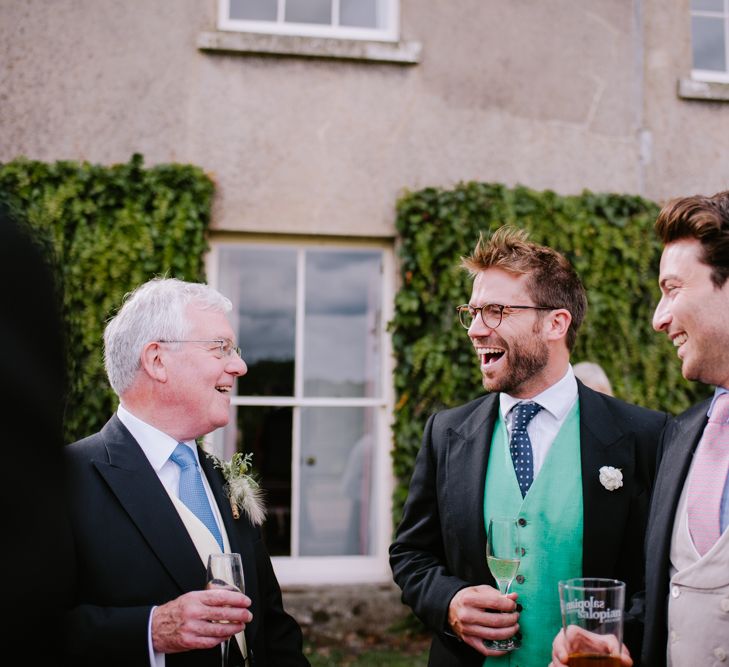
{"x":154,"y":311}
{"x":593,"y":376}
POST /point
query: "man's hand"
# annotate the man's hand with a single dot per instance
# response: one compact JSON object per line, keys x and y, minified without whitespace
{"x":475,"y":614}
{"x":199,"y":620}
{"x":578,"y":640}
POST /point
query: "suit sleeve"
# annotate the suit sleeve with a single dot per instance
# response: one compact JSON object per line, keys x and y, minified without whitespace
{"x":282,"y":639}
{"x":417,"y":554}
{"x":89,"y":631}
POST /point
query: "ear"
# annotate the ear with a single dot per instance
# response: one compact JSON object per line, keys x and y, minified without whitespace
{"x":152,"y":362}
{"x":557,"y":323}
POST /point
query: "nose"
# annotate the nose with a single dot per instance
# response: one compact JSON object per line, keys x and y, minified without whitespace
{"x":478,"y":328}
{"x":236,"y":366}
{"x":661,"y":316}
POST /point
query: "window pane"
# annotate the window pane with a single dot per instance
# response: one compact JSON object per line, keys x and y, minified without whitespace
{"x":707,"y":36}
{"x":261,"y":282}
{"x":253,"y":10}
{"x":358,"y":13}
{"x":707,"y":5}
{"x":342,"y":352}
{"x":309,"y":11}
{"x":266,"y":431}
{"x":337,"y":481}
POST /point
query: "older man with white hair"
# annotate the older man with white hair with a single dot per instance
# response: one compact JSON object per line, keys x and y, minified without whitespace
{"x":147,"y":505}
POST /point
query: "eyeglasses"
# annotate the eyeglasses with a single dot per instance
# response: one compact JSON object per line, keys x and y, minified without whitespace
{"x":225,"y":346}
{"x":491,"y":313}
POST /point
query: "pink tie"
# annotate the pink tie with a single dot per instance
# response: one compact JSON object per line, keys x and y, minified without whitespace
{"x":708,"y":475}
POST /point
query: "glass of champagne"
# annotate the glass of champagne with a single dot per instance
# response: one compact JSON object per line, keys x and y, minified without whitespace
{"x":503,"y":555}
{"x":225,"y":571}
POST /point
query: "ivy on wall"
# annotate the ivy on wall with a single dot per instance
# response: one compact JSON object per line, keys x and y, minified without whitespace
{"x":109,"y":229}
{"x":610,"y":241}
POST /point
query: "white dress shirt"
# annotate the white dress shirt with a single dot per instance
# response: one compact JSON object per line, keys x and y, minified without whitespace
{"x":556,"y":402}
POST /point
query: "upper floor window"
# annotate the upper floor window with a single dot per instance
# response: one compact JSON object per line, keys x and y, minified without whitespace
{"x":710,"y":39}
{"x":346,"y":19}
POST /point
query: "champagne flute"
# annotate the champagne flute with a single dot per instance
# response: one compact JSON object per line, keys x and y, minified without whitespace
{"x":225,"y":571}
{"x":503,"y":556}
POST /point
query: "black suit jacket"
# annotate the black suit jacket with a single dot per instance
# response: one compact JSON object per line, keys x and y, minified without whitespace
{"x":675,"y":453}
{"x":132,"y":552}
{"x":440,"y":545}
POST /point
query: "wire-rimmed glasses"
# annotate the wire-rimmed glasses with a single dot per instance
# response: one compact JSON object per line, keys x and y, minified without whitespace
{"x":226,"y":347}
{"x":491,"y":313}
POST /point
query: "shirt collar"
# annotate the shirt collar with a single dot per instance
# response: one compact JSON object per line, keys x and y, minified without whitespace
{"x":557,"y":399}
{"x":156,"y":445}
{"x":717,"y":392}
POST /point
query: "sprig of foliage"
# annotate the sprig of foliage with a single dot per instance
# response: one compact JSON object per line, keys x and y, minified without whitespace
{"x":242,"y":487}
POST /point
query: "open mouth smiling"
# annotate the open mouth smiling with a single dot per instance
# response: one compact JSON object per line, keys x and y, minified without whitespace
{"x":680,"y":339}
{"x":489,"y":355}
{"x":223,"y":389}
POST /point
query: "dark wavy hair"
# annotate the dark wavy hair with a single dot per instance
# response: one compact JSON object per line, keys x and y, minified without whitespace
{"x":705,"y":219}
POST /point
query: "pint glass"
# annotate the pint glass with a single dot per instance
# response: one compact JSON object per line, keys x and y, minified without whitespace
{"x":592,"y":620}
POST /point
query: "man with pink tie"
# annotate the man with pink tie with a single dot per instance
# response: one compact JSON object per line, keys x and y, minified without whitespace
{"x":687,"y":565}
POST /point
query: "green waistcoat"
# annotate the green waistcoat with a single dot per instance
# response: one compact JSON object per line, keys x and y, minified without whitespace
{"x":551,"y":536}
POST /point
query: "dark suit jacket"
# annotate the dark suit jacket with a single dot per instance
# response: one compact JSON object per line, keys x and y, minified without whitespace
{"x":675,"y":453}
{"x":132,"y":551}
{"x":440,"y":545}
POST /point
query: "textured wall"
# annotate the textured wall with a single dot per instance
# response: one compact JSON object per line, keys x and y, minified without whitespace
{"x":561,"y":94}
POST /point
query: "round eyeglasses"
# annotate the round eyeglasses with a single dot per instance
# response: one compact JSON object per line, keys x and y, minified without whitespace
{"x":491,"y":313}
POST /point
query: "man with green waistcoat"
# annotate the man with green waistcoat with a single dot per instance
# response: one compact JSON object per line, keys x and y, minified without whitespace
{"x":572,"y":466}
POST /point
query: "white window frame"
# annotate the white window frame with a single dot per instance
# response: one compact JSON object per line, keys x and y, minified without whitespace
{"x":713,"y":75}
{"x":297,"y":570}
{"x":389,"y":33}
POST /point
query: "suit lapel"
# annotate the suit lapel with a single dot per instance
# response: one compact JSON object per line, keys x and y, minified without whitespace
{"x":678,"y":448}
{"x":241,"y":536}
{"x":602,"y":443}
{"x":468,"y":451}
{"x":138,"y":489}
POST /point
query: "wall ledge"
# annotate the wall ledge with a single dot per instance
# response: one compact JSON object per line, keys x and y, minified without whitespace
{"x":248,"y":43}
{"x":713,"y":91}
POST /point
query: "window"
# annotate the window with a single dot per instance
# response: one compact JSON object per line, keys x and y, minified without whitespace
{"x":710,"y":39}
{"x":346,"y":19}
{"x":314,"y":406}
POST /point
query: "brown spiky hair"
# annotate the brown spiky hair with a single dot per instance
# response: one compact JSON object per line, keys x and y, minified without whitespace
{"x":705,"y":219}
{"x":552,"y":280}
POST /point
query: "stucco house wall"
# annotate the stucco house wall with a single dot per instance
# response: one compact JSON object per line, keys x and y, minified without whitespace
{"x":563,"y":95}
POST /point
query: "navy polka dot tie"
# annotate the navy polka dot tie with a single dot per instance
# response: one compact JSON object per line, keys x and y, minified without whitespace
{"x":521,"y":446}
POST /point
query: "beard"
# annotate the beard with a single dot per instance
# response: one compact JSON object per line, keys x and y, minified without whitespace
{"x":527,"y":357}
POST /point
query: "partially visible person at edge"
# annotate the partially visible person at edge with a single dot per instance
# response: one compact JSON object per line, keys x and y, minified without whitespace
{"x":686,"y":601}
{"x":523,"y":315}
{"x":140,"y":557}
{"x":593,"y":376}
{"x":33,"y":370}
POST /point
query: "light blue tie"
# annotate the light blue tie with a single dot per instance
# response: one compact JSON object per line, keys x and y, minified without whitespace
{"x":192,"y":491}
{"x":521,"y":446}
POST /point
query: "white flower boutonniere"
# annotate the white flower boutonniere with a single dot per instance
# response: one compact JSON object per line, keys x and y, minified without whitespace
{"x":242,"y":487}
{"x":611,"y":478}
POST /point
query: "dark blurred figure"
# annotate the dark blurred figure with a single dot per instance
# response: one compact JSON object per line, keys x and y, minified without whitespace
{"x":32,"y":368}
